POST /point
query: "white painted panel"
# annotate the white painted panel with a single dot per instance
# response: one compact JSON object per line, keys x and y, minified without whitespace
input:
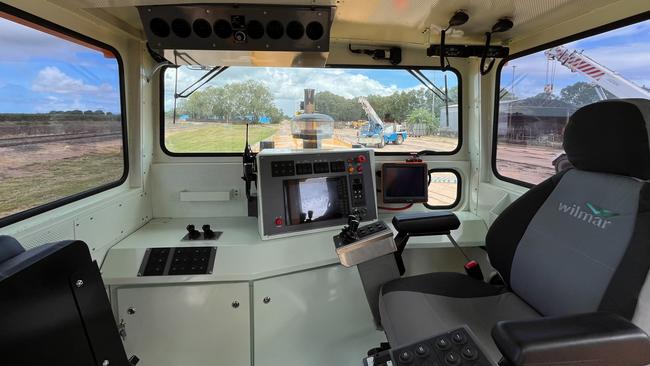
{"x":168,"y":180}
{"x":57,"y":232}
{"x":188,"y":325}
{"x":318,"y":317}
{"x":105,"y":226}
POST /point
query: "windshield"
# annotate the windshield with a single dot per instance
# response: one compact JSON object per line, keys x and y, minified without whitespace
{"x":393,"y":110}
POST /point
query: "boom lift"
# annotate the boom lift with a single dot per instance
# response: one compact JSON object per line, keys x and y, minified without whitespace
{"x":375,"y":132}
{"x":600,"y":75}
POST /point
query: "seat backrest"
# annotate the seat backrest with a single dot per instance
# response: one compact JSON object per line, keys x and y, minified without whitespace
{"x":580,"y":241}
{"x":54,"y":308}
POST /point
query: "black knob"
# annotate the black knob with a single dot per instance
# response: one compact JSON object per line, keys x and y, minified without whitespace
{"x":458,"y":338}
{"x":468,"y":352}
{"x":421,"y":350}
{"x":406,"y":357}
{"x":207,"y":232}
{"x":443,"y":343}
{"x":192,"y":232}
{"x":452,"y":358}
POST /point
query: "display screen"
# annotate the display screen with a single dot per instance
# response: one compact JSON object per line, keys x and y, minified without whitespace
{"x":404,"y":182}
{"x":315,"y":199}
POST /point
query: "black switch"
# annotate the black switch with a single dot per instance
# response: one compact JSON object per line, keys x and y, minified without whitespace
{"x":468,"y":352}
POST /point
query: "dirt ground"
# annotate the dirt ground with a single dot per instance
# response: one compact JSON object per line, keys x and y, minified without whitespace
{"x":532,"y":164}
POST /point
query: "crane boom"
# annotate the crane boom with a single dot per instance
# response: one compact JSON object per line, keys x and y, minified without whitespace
{"x":599,"y":74}
{"x":370,"y":112}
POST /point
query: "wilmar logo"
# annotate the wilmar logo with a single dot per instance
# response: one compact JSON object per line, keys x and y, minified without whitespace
{"x":595,"y":215}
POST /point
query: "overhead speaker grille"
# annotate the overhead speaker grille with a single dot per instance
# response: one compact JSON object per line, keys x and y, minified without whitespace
{"x":241,"y":27}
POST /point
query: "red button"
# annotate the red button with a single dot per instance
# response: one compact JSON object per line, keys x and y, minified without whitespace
{"x":361,"y":158}
{"x":359,"y":168}
{"x":278,"y":221}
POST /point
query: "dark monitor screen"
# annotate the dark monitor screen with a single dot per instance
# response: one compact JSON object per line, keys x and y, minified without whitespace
{"x":315,"y":199}
{"x":404,"y":182}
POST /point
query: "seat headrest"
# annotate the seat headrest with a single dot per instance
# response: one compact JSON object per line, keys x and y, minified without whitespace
{"x":9,"y":248}
{"x":611,"y":137}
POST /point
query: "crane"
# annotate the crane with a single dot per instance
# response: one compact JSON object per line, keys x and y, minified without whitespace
{"x":600,"y":75}
{"x":375,"y":132}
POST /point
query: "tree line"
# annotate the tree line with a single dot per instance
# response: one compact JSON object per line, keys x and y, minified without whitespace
{"x":242,"y":101}
{"x":71,"y":115}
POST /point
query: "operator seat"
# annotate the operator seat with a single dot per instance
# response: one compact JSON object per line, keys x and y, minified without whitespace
{"x":578,"y":242}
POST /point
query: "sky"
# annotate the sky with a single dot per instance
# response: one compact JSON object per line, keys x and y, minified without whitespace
{"x":288,"y":84}
{"x":625,"y":51}
{"x":41,"y":73}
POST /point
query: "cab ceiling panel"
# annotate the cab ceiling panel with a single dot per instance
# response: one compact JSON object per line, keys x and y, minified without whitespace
{"x":237,"y":28}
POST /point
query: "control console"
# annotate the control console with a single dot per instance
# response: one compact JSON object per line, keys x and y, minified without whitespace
{"x":355,"y":245}
{"x":302,"y":191}
{"x":454,"y":348}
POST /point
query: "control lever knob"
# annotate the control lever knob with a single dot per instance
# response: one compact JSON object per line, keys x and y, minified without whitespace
{"x":207,"y":232}
{"x":192,"y":232}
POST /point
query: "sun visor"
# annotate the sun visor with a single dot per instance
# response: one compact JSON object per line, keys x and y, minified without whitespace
{"x":228,"y":35}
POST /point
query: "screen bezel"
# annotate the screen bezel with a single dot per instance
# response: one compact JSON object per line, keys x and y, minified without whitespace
{"x":423,"y":197}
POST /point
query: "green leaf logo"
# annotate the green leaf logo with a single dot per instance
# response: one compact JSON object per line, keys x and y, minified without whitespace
{"x":601,"y":212}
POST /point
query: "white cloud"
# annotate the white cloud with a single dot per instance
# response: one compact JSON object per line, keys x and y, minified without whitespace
{"x":53,"y":80}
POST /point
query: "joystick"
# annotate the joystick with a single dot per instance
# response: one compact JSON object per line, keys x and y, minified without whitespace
{"x":349,"y":233}
{"x":192,"y":233}
{"x":207,"y":232}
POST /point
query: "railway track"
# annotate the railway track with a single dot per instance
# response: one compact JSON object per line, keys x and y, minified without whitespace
{"x":43,"y":139}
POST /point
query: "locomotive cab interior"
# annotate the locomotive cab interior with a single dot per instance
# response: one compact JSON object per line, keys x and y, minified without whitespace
{"x":326,"y":182}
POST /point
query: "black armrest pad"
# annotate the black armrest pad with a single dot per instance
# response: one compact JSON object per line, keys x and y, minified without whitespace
{"x":584,"y":339}
{"x":426,"y":223}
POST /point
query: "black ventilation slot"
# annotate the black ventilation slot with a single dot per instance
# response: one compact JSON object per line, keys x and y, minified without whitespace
{"x":202,"y":28}
{"x":181,"y":28}
{"x":295,"y":30}
{"x":242,"y":27}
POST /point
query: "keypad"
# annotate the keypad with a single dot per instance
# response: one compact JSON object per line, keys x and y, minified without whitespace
{"x":283,"y":168}
{"x":179,"y":261}
{"x":454,"y":348}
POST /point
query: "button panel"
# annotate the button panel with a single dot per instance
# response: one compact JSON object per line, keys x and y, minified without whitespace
{"x":283,"y":168}
{"x":454,"y":348}
{"x":178,"y":261}
{"x":321,"y":167}
{"x":303,"y":168}
{"x":337,"y":166}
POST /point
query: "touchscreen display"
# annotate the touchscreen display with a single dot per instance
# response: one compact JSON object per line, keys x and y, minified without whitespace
{"x":404,"y":182}
{"x":315,"y":199}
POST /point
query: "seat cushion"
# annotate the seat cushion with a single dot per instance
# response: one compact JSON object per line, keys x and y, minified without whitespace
{"x":418,"y":307}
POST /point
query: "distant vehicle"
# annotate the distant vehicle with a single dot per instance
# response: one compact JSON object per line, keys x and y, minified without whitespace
{"x":375,"y":132}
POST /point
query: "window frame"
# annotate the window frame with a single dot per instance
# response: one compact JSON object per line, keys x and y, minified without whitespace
{"x":37,"y":210}
{"x":638,"y":18}
{"x":459,"y":189}
{"x":161,"y":112}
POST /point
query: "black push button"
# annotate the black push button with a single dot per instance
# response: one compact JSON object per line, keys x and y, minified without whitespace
{"x":459,"y":338}
{"x":443,"y":344}
{"x":468,"y":352}
{"x":452,"y":358}
{"x":422,"y":350}
{"x":406,"y":357}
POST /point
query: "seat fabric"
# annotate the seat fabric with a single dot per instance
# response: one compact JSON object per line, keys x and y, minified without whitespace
{"x":415,"y":308}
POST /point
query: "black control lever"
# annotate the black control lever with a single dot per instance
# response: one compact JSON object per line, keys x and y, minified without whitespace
{"x":207,"y":232}
{"x":349,"y":232}
{"x":192,"y":232}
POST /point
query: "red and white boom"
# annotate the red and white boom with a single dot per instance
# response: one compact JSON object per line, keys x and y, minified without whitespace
{"x":599,"y":74}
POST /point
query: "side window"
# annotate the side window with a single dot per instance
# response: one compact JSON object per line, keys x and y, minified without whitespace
{"x":444,"y":189}
{"x":61,"y":122}
{"x":539,"y":91}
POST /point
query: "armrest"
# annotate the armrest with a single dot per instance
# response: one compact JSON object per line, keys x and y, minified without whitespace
{"x":426,"y":223}
{"x":584,"y":339}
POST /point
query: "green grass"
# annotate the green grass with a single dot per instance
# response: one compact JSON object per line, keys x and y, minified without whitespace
{"x":217,"y":137}
{"x":46,"y":182}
